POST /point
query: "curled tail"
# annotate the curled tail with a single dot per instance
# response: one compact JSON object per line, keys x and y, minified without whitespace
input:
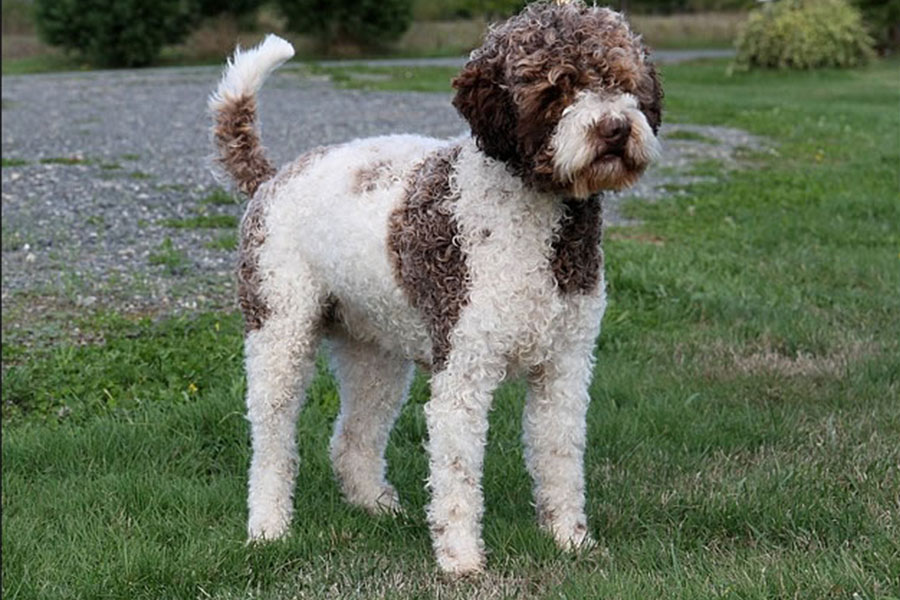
{"x":233,"y":106}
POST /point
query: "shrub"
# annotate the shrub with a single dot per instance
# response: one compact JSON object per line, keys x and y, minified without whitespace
{"x":803,"y":34}
{"x":883,"y":19}
{"x":113,"y":33}
{"x":243,"y":11}
{"x":211,"y":8}
{"x":364,"y":22}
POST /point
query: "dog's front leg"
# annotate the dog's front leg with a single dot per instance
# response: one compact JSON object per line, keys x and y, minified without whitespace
{"x":457,"y":419}
{"x":554,"y":435}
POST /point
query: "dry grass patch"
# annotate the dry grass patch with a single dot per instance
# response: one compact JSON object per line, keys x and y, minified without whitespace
{"x":384,"y":577}
{"x":766,"y":358}
{"x":688,"y":30}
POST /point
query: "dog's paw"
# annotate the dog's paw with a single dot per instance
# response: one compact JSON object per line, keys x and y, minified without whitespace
{"x":456,"y":565}
{"x":458,"y":556}
{"x":261,"y":529}
{"x":377,"y":500}
{"x":573,"y":539}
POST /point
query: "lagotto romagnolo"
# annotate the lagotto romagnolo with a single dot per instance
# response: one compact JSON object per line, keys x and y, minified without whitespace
{"x":477,"y":258}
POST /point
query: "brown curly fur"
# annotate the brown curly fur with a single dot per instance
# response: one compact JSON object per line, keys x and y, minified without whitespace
{"x":253,"y":236}
{"x":429,"y":265}
{"x":515,"y":87}
{"x":577,"y":257}
{"x":240,"y":150}
{"x":378,"y":174}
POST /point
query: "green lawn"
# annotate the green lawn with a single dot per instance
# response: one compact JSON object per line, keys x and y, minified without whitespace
{"x":744,"y":433}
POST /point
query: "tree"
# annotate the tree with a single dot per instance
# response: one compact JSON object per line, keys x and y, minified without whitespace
{"x":113,"y":33}
{"x":365,"y":22}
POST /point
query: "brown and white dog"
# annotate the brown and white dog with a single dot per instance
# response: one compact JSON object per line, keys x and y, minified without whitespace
{"x":477,"y":258}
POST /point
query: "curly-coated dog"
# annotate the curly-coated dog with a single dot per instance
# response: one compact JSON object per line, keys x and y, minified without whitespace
{"x":476,"y":258}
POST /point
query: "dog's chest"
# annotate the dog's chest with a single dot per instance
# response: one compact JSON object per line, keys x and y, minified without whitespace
{"x":521,"y":280}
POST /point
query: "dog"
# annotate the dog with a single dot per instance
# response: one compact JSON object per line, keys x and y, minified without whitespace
{"x":477,"y":258}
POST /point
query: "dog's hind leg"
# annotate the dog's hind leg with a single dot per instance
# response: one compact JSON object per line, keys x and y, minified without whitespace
{"x":280,"y":360}
{"x":373,"y":387}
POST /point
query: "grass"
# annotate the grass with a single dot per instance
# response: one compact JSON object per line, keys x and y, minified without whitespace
{"x":64,"y":160}
{"x":690,"y":136}
{"x":698,"y":30}
{"x":226,"y":241}
{"x":743,"y":430}
{"x":43,"y":63}
{"x":203,"y":222}
{"x":389,"y":78}
{"x":12,"y":162}
{"x":167,"y":255}
{"x":219,"y":197}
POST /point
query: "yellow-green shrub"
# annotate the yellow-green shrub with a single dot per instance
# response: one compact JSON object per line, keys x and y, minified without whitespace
{"x":803,"y":34}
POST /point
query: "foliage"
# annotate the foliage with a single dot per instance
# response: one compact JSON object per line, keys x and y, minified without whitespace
{"x":368,"y":23}
{"x":113,"y":33}
{"x":804,"y":34}
{"x":243,"y":12}
{"x":211,"y":8}
{"x":174,"y":260}
{"x":680,"y":6}
{"x":16,"y":17}
{"x":495,"y":9}
{"x":883,"y":19}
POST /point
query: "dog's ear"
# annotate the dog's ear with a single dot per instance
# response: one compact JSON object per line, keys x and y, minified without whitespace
{"x":650,"y":96}
{"x":484,"y":101}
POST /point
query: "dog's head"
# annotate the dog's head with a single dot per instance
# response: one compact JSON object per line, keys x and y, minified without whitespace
{"x":566,"y":95}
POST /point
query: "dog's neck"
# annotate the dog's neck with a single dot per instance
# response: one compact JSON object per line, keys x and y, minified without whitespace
{"x":501,"y":178}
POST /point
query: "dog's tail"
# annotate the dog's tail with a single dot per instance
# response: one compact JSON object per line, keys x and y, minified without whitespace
{"x":233,"y":107}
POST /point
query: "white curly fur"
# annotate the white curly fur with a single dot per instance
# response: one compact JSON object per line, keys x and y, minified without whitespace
{"x":326,"y":240}
{"x":247,"y":69}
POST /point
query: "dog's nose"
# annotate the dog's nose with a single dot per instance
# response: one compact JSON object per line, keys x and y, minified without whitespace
{"x":614,"y":133}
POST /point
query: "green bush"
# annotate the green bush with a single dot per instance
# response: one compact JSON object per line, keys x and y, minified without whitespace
{"x":882,"y":17}
{"x":243,"y":11}
{"x":368,"y":23}
{"x":803,"y":34}
{"x":238,"y":8}
{"x":113,"y":33}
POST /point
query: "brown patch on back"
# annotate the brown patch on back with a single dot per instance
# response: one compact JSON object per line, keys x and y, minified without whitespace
{"x":240,"y":150}
{"x":577,"y":257}
{"x":428,"y":264}
{"x":515,"y":87}
{"x":372,"y":177}
{"x":253,"y":236}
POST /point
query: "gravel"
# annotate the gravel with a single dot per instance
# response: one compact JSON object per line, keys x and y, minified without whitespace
{"x":91,"y":234}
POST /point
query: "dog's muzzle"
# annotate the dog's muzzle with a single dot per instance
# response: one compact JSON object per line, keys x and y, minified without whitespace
{"x":601,"y":142}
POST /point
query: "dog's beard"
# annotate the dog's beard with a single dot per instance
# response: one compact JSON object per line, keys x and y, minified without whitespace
{"x":609,"y":173}
{"x":583,"y":163}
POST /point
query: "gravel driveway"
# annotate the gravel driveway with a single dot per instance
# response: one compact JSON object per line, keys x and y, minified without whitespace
{"x":91,"y":233}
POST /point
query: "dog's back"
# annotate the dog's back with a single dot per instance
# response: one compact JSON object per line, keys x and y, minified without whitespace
{"x":331,"y":209}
